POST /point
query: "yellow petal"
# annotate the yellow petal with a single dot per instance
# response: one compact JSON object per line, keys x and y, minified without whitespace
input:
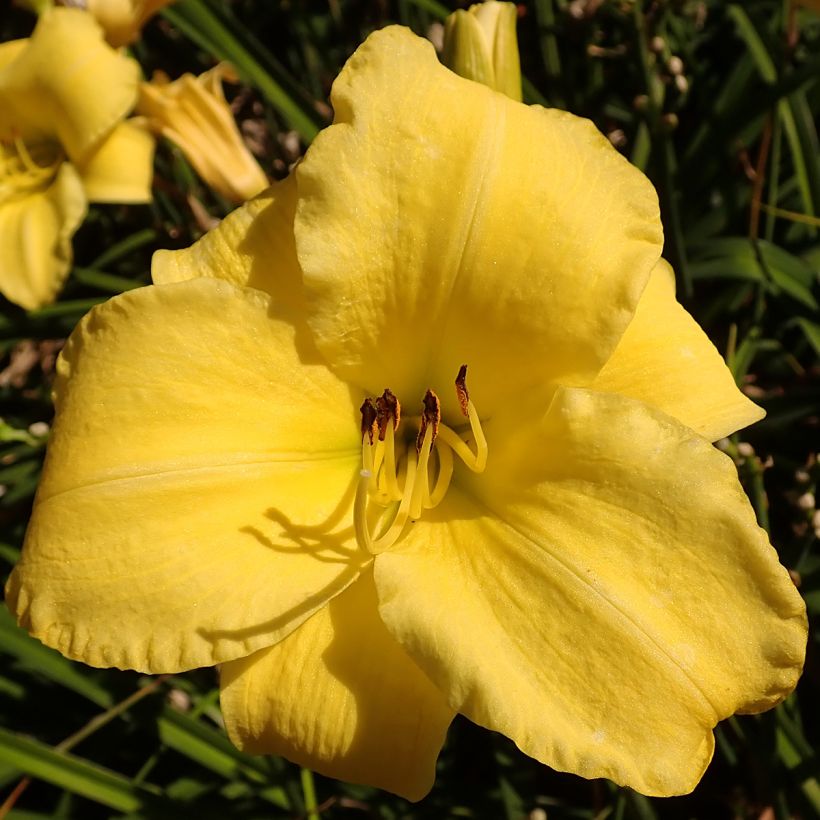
{"x":122,"y":168}
{"x":666,"y":360}
{"x":193,"y":113}
{"x":66,"y":84}
{"x":602,"y":595}
{"x":35,"y":235}
{"x":193,"y":504}
{"x":432,"y":201}
{"x":123,"y":20}
{"x":11,"y":50}
{"x":252,"y":247}
{"x":341,"y":697}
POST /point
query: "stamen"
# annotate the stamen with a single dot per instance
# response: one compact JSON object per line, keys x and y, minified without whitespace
{"x":430,"y":415}
{"x":478,"y":461}
{"x":392,"y":472}
{"x":420,"y":491}
{"x":369,"y":416}
{"x":445,"y":473}
{"x":396,"y":526}
{"x":387,"y":409}
{"x":389,"y":471}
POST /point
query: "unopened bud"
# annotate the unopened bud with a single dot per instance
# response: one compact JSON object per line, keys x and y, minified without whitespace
{"x":675,"y":65}
{"x":481,"y":44}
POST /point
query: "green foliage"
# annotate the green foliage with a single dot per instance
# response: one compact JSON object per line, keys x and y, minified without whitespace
{"x":718,"y":103}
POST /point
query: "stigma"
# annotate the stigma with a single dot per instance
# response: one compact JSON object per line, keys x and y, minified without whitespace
{"x":407,"y":463}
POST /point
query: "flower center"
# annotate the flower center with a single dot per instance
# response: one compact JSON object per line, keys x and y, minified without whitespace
{"x":399,"y":477}
{"x":26,"y":169}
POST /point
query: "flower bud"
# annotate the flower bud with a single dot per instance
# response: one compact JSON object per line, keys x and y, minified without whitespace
{"x":481,"y":45}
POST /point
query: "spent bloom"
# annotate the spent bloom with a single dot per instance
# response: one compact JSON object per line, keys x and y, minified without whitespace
{"x":64,"y":142}
{"x":193,"y":113}
{"x":290,"y":472}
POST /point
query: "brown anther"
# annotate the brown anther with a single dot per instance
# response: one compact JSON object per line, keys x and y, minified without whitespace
{"x":369,"y":416}
{"x":461,"y":390}
{"x":431,"y":414}
{"x":387,"y":409}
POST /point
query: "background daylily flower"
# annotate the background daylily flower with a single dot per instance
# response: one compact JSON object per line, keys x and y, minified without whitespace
{"x":193,"y":113}
{"x":64,"y":142}
{"x":568,"y":561}
{"x":122,"y":20}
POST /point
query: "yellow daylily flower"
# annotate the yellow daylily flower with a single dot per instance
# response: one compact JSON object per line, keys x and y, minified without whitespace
{"x":481,"y":44}
{"x":545,"y":542}
{"x":64,"y":142}
{"x":122,"y":20}
{"x":193,"y":113}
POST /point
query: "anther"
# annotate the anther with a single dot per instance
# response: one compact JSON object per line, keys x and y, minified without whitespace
{"x":369,"y":416}
{"x":388,"y":409}
{"x":461,"y":391}
{"x":430,"y":415}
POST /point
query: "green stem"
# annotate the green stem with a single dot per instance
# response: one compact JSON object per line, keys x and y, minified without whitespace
{"x":309,"y":792}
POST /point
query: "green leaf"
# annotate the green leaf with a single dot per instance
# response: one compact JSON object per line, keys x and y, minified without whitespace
{"x":227,"y":41}
{"x":75,"y":774}
{"x":212,"y":749}
{"x":36,"y":657}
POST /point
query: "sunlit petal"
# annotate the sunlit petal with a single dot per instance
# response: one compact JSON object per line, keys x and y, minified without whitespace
{"x":193,"y":503}
{"x":35,"y":236}
{"x":602,"y":596}
{"x":252,"y":247}
{"x":67,"y":84}
{"x":341,"y":697}
{"x":418,"y":215}
{"x":666,"y":360}
{"x":122,"y":168}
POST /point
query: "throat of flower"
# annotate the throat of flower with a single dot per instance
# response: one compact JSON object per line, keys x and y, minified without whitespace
{"x":26,"y":169}
{"x":400,"y":479}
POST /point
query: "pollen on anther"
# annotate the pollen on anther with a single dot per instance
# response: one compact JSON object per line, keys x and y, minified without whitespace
{"x":369,"y":416}
{"x":461,"y":390}
{"x":430,"y":415}
{"x":387,"y":409}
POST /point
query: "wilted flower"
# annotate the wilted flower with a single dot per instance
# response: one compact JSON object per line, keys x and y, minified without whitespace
{"x":481,"y":44}
{"x":193,"y":113}
{"x":545,"y":542}
{"x":63,"y":143}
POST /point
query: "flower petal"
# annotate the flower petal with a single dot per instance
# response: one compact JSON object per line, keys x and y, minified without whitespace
{"x":35,"y":235}
{"x":340,"y":696}
{"x":602,"y":595}
{"x":122,"y":168}
{"x":666,"y":360}
{"x":122,"y":20}
{"x":449,"y":224}
{"x":194,"y":501}
{"x":252,"y":247}
{"x":66,"y":84}
{"x":11,"y":50}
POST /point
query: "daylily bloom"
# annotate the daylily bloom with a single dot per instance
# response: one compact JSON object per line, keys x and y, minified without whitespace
{"x":122,"y":20}
{"x":64,"y":142}
{"x":193,"y":113}
{"x":545,"y":541}
{"x":481,"y":44}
